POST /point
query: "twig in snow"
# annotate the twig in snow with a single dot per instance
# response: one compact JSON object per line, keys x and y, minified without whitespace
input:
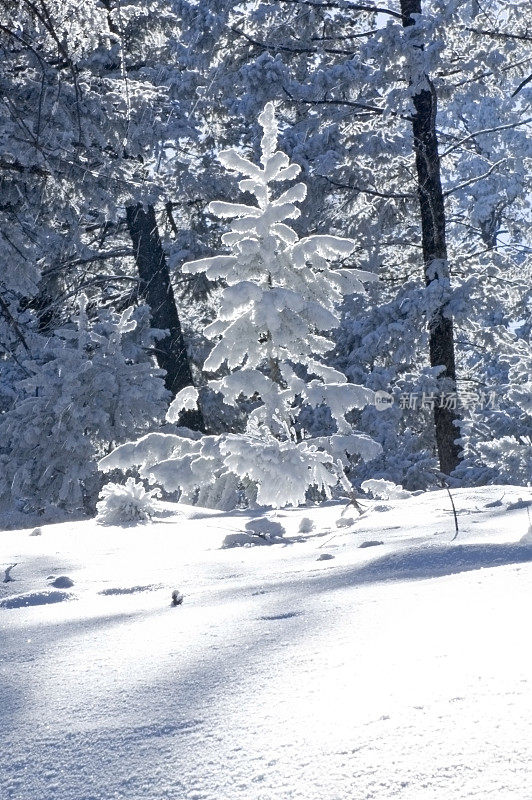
{"x":454,"y":512}
{"x":7,"y":575}
{"x":353,"y":501}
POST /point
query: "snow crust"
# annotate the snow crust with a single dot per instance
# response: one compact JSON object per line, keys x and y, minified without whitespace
{"x":397,"y":670}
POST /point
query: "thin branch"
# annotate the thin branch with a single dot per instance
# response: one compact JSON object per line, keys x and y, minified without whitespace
{"x":348,"y":103}
{"x":168,"y":207}
{"x":522,"y":85}
{"x":7,"y":573}
{"x":475,"y":179}
{"x":277,"y":47}
{"x":346,"y":7}
{"x":525,"y":37}
{"x":454,"y":512}
{"x":16,"y":166}
{"x":14,"y":324}
{"x":118,"y":253}
{"x":372,"y":192}
{"x":482,"y":132}
{"x":46,"y":20}
{"x":346,"y":36}
{"x":490,"y":73}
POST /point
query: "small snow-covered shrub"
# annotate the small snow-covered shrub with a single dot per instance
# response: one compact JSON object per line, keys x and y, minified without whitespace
{"x":384,"y":490}
{"x":92,"y":384}
{"x":123,"y":504}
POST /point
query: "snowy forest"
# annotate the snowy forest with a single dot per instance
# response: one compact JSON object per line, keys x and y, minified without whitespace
{"x":265,"y":399}
{"x":383,"y":334}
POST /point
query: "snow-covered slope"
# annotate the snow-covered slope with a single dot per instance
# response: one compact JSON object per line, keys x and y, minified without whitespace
{"x":315,"y":668}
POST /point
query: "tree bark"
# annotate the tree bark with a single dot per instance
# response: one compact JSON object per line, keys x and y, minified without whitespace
{"x":156,"y":289}
{"x":436,"y":267}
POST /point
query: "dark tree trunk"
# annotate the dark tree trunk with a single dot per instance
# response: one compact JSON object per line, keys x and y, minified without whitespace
{"x":431,"y":202}
{"x":156,"y":290}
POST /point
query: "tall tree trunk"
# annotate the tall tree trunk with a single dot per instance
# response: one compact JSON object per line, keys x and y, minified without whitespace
{"x":436,"y":267}
{"x":156,"y":290}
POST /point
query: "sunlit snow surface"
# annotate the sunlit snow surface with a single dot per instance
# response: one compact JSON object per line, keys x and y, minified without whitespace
{"x":397,"y":670}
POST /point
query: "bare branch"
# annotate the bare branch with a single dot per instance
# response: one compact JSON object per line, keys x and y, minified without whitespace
{"x":524,"y":37}
{"x":522,"y":85}
{"x":277,"y":47}
{"x":372,"y":192}
{"x":475,"y":179}
{"x":12,"y":321}
{"x":349,"y":103}
{"x":119,"y":252}
{"x":482,"y":132}
{"x":347,"y":6}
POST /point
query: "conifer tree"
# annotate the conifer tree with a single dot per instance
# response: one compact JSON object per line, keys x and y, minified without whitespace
{"x":281,"y":294}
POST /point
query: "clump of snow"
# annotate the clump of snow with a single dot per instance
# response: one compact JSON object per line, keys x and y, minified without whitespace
{"x":185,"y":400}
{"x":243,"y":540}
{"x":126,"y":504}
{"x":266,"y":528}
{"x":258,"y":531}
{"x":306,"y":525}
{"x":344,"y":522}
{"x":385,"y":490}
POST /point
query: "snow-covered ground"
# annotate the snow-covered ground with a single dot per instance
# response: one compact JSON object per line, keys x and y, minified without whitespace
{"x":314,"y":669}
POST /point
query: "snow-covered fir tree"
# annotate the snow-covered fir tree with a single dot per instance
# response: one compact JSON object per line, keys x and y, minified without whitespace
{"x":281,"y":293}
{"x":89,"y":390}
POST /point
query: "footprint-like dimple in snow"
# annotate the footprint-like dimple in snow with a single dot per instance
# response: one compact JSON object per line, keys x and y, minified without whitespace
{"x":35,"y":599}
{"x":128,"y":589}
{"x":285,"y":615}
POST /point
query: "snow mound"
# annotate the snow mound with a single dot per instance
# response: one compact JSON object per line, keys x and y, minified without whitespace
{"x":243,"y":540}
{"x":345,"y":522}
{"x":62,"y":582}
{"x":265,"y":528}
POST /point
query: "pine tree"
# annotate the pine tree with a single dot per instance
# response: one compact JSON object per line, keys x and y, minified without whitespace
{"x":281,"y":294}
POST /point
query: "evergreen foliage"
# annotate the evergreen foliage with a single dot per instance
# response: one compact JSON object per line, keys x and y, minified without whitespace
{"x":280,"y":294}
